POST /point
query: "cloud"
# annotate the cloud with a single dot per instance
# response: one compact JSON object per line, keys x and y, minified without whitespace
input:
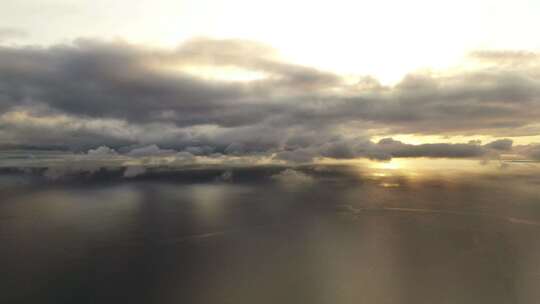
{"x":385,"y":149}
{"x":297,"y":156}
{"x":226,"y":176}
{"x":235,"y":149}
{"x":70,"y":171}
{"x":501,"y":144}
{"x":39,"y":127}
{"x":134,"y":171}
{"x":147,"y":102}
{"x":101,"y":151}
{"x":399,"y":149}
{"x":152,"y":150}
{"x":506,"y":57}
{"x":292,"y":177}
{"x":203,"y":150}
{"x":535,"y":153}
{"x":531,"y":152}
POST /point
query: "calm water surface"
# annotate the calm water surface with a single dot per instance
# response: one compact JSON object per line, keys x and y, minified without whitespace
{"x":319,"y":237}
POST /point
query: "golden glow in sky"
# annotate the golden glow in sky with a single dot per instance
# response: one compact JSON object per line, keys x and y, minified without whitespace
{"x":386,"y":39}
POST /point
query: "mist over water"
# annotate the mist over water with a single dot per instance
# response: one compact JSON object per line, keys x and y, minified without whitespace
{"x":440,"y":233}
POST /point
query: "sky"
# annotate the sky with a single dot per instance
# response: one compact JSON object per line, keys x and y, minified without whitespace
{"x":272,"y":81}
{"x":190,"y":151}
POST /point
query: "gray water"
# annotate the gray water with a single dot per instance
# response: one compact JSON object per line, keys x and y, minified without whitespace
{"x":328,"y":237}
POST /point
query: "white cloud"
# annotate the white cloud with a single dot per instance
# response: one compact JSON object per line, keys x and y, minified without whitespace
{"x":151,"y":150}
{"x":102,"y":151}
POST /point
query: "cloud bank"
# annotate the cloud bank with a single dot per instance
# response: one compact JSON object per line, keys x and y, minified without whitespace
{"x":144,"y":101}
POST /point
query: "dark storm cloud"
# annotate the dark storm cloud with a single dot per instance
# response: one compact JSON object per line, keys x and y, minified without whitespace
{"x":121,"y":81}
{"x":93,"y":93}
{"x":109,"y":80}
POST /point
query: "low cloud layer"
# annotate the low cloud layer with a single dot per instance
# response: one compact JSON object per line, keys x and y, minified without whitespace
{"x":143,"y":101}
